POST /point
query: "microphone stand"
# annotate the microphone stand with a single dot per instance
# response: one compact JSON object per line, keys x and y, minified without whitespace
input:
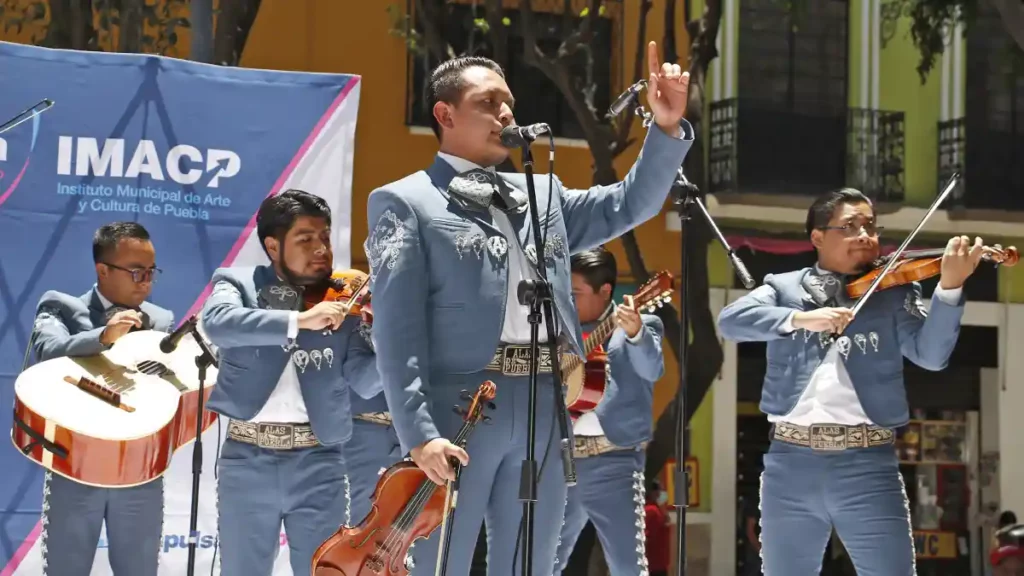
{"x":24,"y":115}
{"x":205,"y":359}
{"x":686,"y":195}
{"x":538,"y":295}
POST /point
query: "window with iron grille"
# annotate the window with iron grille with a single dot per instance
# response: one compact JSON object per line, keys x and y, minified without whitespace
{"x":794,"y":59}
{"x":537,"y":98}
{"x":994,"y":174}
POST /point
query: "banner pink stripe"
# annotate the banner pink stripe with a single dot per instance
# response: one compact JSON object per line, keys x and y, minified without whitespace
{"x":276,"y":189}
{"x":22,"y":551}
{"x":14,"y":184}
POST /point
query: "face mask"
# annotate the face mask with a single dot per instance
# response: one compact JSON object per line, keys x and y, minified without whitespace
{"x":663,"y":498}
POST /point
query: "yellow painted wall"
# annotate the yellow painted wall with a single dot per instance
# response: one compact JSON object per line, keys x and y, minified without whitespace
{"x":352,"y":37}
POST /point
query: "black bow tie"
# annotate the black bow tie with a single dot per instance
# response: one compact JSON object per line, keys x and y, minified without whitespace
{"x":480,"y":189}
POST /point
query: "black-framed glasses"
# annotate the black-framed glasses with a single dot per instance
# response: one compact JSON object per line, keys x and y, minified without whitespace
{"x":138,"y":274}
{"x":850,"y":229}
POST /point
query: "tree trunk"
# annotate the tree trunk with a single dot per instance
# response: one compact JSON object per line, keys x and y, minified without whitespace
{"x":201,"y":21}
{"x":234,"y":22}
{"x":130,"y":37}
{"x":70,"y":25}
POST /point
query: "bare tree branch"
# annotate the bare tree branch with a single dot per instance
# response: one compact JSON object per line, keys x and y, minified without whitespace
{"x":622,"y":140}
{"x":234,"y":22}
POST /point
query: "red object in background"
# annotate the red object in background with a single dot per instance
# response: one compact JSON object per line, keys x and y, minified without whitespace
{"x":658,"y":533}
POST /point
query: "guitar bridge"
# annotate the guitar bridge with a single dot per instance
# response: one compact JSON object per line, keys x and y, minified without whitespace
{"x":100,"y":391}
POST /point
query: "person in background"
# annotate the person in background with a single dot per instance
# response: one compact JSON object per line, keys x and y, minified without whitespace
{"x":657,"y":530}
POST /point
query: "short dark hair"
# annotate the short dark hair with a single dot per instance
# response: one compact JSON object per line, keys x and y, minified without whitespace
{"x":106,"y":239}
{"x":1007,"y":518}
{"x":446,"y":83}
{"x":821,"y":211}
{"x":277,"y":214}
{"x":597,"y":266}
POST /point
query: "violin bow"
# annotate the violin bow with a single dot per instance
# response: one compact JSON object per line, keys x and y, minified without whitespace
{"x":895,"y":256}
{"x":450,"y":499}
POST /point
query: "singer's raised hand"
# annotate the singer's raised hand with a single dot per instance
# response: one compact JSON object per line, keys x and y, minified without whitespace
{"x":667,"y":91}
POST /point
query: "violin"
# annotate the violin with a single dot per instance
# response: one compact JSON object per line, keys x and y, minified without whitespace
{"x":348,"y":286}
{"x":917,"y":265}
{"x":407,"y":506}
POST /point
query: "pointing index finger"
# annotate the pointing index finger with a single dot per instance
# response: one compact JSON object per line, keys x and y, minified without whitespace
{"x":653,"y":62}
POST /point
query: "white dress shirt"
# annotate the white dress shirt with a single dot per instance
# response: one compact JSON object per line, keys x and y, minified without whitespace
{"x":515,"y":328}
{"x":830,"y":397}
{"x":285,"y":404}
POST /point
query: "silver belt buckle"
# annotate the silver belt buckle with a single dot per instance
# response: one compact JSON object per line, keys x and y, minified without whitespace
{"x":275,"y":436}
{"x":828,"y":438}
{"x":515,"y":361}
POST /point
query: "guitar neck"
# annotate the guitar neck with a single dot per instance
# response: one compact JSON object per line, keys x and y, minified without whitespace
{"x":599,"y":334}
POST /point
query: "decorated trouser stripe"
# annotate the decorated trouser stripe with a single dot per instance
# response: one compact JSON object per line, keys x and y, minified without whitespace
{"x":610,"y":493}
{"x":860,"y":493}
{"x":73,"y":518}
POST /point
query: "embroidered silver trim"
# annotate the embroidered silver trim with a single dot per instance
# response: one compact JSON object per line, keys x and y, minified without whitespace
{"x":873,"y":338}
{"x":329,"y":357}
{"x":497,"y":246}
{"x":467,"y":243}
{"x":843,"y":345}
{"x":760,"y":519}
{"x":807,"y":335}
{"x":163,"y":517}
{"x":301,"y":359}
{"x":862,"y":342}
{"x":283,"y":293}
{"x":45,"y":520}
{"x":640,"y":496}
{"x":554,"y":247}
{"x":316,"y":357}
{"x":348,"y":502}
{"x":910,"y":527}
{"x":384,"y":244}
{"x":46,"y":315}
{"x":531,"y":254}
{"x":558,"y":545}
{"x":915,"y":306}
{"x":822,"y":339}
{"x":223,"y":287}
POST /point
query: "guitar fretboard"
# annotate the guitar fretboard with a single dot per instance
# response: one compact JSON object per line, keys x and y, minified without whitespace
{"x":598,"y":335}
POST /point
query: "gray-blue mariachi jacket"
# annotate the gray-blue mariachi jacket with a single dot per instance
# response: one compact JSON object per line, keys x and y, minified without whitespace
{"x":246,"y":317}
{"x":439,"y":267}
{"x":626,"y":412}
{"x":71,"y":325}
{"x":893,"y":324}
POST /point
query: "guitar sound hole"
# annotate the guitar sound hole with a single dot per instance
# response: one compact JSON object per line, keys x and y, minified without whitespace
{"x":153,"y":368}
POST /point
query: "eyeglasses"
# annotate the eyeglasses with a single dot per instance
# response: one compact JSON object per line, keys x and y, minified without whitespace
{"x":139,"y":275}
{"x":850,"y":229}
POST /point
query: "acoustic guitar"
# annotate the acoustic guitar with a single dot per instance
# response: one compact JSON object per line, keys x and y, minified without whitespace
{"x":115,"y":419}
{"x":585,"y":381}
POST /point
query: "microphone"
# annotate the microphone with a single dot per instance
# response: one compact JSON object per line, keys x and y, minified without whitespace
{"x":519,"y":136}
{"x":625,"y":99}
{"x":170,"y":342}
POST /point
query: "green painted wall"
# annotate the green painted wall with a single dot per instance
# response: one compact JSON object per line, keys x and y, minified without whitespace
{"x":900,"y":89}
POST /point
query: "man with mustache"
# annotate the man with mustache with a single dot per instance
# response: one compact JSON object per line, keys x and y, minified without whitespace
{"x":285,"y":380}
